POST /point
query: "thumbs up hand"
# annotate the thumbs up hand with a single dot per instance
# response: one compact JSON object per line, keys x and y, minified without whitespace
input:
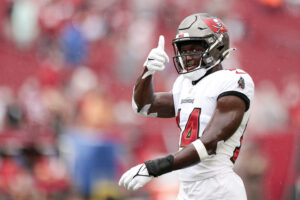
{"x":156,"y":58}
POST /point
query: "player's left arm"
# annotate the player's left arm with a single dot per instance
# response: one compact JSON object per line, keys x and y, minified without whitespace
{"x":224,"y":122}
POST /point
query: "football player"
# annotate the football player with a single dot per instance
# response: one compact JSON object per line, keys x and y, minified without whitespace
{"x":211,"y":105}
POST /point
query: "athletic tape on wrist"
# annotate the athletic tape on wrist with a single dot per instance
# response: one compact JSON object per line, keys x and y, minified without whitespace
{"x":200,"y":148}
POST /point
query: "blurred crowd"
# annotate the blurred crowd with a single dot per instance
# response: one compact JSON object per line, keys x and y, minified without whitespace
{"x":67,"y":130}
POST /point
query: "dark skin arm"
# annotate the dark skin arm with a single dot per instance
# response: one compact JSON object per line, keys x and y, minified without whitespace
{"x":224,"y":122}
{"x":161,"y":102}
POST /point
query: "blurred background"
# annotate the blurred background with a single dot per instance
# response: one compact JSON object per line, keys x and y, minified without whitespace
{"x":67,"y":71}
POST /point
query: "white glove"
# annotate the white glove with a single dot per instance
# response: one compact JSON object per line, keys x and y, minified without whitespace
{"x":156,"y":58}
{"x":135,"y":178}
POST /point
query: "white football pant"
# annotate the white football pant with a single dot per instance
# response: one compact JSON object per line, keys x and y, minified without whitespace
{"x":227,"y":186}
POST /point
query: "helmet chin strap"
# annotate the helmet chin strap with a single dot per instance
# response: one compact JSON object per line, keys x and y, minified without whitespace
{"x":201,"y":71}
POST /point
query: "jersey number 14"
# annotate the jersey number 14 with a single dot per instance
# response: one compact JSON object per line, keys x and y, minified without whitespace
{"x":191,"y":132}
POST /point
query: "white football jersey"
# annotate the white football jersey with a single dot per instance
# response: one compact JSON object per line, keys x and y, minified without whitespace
{"x":194,"y":107}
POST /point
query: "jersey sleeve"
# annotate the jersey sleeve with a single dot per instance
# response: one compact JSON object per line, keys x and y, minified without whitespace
{"x":238,"y":83}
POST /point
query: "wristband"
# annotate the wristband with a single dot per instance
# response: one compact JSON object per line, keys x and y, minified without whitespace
{"x":160,"y":166}
{"x":200,"y":148}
